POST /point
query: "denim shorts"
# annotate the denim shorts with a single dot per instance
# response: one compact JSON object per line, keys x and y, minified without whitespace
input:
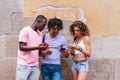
{"x":79,"y":66}
{"x":51,"y":72}
{"x":27,"y":72}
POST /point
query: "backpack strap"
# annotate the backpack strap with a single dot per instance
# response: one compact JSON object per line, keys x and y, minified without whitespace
{"x":43,"y":40}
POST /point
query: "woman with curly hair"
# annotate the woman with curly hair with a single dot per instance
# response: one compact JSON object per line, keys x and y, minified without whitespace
{"x":80,"y":50}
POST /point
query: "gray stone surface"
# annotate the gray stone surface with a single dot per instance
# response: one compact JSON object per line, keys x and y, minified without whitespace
{"x":2,"y":46}
{"x":7,"y":8}
{"x":11,"y":45}
{"x":117,"y":69}
{"x":106,"y":47}
{"x":18,"y":22}
{"x":96,"y":46}
{"x":101,"y":69}
{"x":66,"y":32}
{"x":65,"y":66}
{"x":7,"y":68}
{"x":111,"y":47}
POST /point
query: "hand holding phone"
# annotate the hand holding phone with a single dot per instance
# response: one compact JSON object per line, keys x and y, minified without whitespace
{"x":45,"y":44}
{"x":71,"y":46}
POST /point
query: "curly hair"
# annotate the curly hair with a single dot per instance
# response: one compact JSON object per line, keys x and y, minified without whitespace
{"x":83,"y":28}
{"x":55,"y":22}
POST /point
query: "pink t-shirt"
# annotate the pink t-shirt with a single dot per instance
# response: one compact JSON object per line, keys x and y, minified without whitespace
{"x":33,"y":39}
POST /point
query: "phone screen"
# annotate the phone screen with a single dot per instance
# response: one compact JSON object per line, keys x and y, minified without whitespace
{"x":62,"y":49}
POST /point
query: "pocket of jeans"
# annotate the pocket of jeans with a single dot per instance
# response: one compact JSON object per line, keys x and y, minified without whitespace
{"x":84,"y":63}
{"x":37,"y":66}
{"x":21,"y":67}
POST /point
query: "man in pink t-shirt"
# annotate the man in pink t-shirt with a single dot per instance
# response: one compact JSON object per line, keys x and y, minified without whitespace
{"x":30,"y":40}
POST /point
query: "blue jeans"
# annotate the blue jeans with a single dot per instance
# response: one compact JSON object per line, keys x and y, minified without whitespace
{"x":79,"y":66}
{"x":51,"y":72}
{"x":27,"y":72}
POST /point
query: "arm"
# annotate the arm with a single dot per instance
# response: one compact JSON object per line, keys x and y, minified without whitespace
{"x":87,"y":51}
{"x":23,"y":38}
{"x":71,"y":49}
{"x":64,"y":50}
{"x":23,"y":47}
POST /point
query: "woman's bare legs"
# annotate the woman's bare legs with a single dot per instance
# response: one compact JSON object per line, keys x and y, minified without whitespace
{"x":82,"y":76}
{"x":75,"y":75}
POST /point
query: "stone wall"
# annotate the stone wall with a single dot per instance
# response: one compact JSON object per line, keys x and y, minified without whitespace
{"x":105,"y":38}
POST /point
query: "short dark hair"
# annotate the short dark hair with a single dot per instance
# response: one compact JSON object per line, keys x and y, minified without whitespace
{"x":55,"y":22}
{"x":40,"y":18}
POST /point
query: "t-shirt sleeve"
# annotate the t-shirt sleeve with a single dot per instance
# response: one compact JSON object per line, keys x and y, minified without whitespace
{"x":23,"y":36}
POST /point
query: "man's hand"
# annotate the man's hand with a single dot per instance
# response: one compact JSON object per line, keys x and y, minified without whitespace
{"x":45,"y":52}
{"x":42,"y":47}
{"x":48,"y":51}
{"x":65,"y":53}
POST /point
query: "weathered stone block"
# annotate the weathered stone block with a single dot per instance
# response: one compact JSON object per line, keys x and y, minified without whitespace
{"x":16,"y":22}
{"x":65,"y":66}
{"x":7,"y":68}
{"x":65,"y":32}
{"x":101,"y":69}
{"x":11,"y":45}
{"x":2,"y":46}
{"x":105,"y":47}
{"x":111,"y":47}
{"x":96,"y":47}
{"x":7,"y":8}
{"x":117,"y":69}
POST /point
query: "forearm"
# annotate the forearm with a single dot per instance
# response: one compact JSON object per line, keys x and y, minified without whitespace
{"x":86,"y":52}
{"x":26,"y":48}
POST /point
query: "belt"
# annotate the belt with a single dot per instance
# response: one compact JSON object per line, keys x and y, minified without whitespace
{"x":83,"y":60}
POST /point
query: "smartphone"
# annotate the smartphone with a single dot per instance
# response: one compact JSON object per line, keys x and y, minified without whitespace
{"x":62,"y":49}
{"x":71,"y":46}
